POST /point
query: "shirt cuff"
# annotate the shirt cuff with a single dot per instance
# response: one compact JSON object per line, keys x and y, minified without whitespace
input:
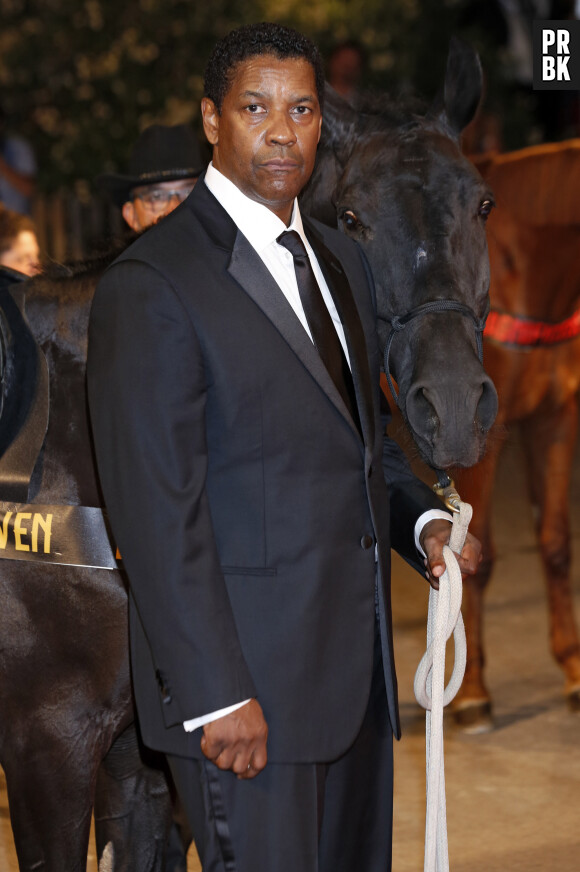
{"x":190,"y":726}
{"x":425,"y":518}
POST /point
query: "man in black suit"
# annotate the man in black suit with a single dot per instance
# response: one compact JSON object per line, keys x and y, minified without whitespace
{"x":233,"y":379}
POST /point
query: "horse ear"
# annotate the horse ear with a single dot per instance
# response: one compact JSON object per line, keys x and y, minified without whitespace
{"x":339,"y":121}
{"x":463,"y":86}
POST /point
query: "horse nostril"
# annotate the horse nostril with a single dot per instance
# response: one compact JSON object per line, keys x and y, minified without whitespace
{"x":421,"y":412}
{"x":486,"y":407}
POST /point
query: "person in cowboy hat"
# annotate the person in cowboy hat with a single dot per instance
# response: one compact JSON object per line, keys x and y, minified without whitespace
{"x":164,"y":166}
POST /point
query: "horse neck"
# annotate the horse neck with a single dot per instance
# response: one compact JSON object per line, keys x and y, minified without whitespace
{"x":58,"y":312}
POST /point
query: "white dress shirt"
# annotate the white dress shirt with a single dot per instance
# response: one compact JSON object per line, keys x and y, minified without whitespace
{"x":261,"y":227}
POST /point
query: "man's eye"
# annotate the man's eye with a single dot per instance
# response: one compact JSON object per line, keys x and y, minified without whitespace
{"x":156,"y":197}
{"x":302,"y":110}
{"x":254,"y":108}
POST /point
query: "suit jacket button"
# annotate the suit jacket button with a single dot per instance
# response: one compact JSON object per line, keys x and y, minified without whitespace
{"x":366,"y":542}
{"x":164,"y":690}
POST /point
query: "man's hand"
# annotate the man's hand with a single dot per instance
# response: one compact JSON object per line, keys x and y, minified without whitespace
{"x":238,"y":741}
{"x":434,"y":535}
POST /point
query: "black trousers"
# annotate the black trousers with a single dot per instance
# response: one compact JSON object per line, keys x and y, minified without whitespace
{"x":330,"y":817}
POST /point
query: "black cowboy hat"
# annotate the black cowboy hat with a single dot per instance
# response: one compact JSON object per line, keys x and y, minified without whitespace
{"x":161,"y":154}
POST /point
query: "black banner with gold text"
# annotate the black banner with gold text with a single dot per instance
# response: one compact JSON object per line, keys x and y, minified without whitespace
{"x":69,"y":535}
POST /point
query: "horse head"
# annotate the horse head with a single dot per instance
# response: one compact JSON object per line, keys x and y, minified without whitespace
{"x":395,"y":180}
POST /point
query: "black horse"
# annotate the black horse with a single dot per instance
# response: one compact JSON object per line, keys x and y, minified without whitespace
{"x":399,"y":184}
{"x":68,"y":740}
{"x":396,"y":181}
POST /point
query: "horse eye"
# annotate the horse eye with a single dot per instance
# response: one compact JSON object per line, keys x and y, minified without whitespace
{"x":350,"y":220}
{"x":485,"y":208}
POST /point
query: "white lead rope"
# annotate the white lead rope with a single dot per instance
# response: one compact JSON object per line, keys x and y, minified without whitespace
{"x":444,"y":619}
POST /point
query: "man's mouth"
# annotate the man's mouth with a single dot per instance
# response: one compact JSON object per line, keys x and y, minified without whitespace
{"x":280,"y":164}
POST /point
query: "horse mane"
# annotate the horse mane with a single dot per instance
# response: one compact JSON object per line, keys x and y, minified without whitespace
{"x":404,"y":114}
{"x":94,"y":264}
{"x":393,"y":110}
{"x":346,"y":124}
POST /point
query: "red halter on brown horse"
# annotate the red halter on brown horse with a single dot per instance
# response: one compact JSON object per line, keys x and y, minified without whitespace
{"x":532,"y":353}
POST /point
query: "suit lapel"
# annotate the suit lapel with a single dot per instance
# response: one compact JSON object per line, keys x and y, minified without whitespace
{"x":250,"y":272}
{"x":248,"y":269}
{"x":355,"y":340}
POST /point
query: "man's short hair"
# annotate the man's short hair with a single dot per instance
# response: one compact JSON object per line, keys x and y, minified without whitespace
{"x":249,"y":41}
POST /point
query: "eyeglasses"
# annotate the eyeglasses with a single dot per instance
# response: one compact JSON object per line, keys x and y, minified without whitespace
{"x":159,"y":199}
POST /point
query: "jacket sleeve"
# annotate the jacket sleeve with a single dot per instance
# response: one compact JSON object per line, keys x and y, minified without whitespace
{"x":409,"y":497}
{"x":147,"y":396}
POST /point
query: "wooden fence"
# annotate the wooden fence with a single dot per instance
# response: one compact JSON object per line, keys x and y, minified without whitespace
{"x":70,"y":229}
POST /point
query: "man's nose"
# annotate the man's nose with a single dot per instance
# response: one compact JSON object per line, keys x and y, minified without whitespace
{"x":281,"y":130}
{"x":172,"y":203}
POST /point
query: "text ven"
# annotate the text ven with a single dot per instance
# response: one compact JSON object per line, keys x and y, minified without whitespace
{"x":23,"y":531}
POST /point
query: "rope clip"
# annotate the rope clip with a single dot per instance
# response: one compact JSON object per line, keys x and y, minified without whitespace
{"x":449,"y":495}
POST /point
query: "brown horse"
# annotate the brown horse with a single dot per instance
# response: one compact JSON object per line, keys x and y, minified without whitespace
{"x":532,"y":353}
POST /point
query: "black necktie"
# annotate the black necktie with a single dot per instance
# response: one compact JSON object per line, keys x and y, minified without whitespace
{"x":323,"y":331}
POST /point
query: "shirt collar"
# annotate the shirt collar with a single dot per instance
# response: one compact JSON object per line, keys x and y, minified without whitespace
{"x":260,"y":225}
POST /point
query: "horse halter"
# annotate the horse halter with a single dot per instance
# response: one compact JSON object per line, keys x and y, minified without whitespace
{"x":398,"y":323}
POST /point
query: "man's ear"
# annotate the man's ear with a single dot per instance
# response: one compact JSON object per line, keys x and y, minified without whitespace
{"x":211,"y":120}
{"x":128,"y":213}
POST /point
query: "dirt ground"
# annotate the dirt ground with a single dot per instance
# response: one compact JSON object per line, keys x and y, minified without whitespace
{"x":513,"y":795}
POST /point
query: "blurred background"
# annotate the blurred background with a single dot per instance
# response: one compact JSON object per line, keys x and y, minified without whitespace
{"x":80,"y":80}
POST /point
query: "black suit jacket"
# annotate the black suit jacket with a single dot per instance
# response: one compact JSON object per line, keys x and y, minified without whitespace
{"x":243,"y":499}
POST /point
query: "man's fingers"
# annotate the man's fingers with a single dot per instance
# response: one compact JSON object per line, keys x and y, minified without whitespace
{"x":471,"y":555}
{"x":257,"y":761}
{"x":260,"y":757}
{"x":235,"y":757}
{"x":434,"y":582}
{"x":433,"y":545}
{"x":210,"y":748}
{"x":249,"y":763}
{"x":237,"y":741}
